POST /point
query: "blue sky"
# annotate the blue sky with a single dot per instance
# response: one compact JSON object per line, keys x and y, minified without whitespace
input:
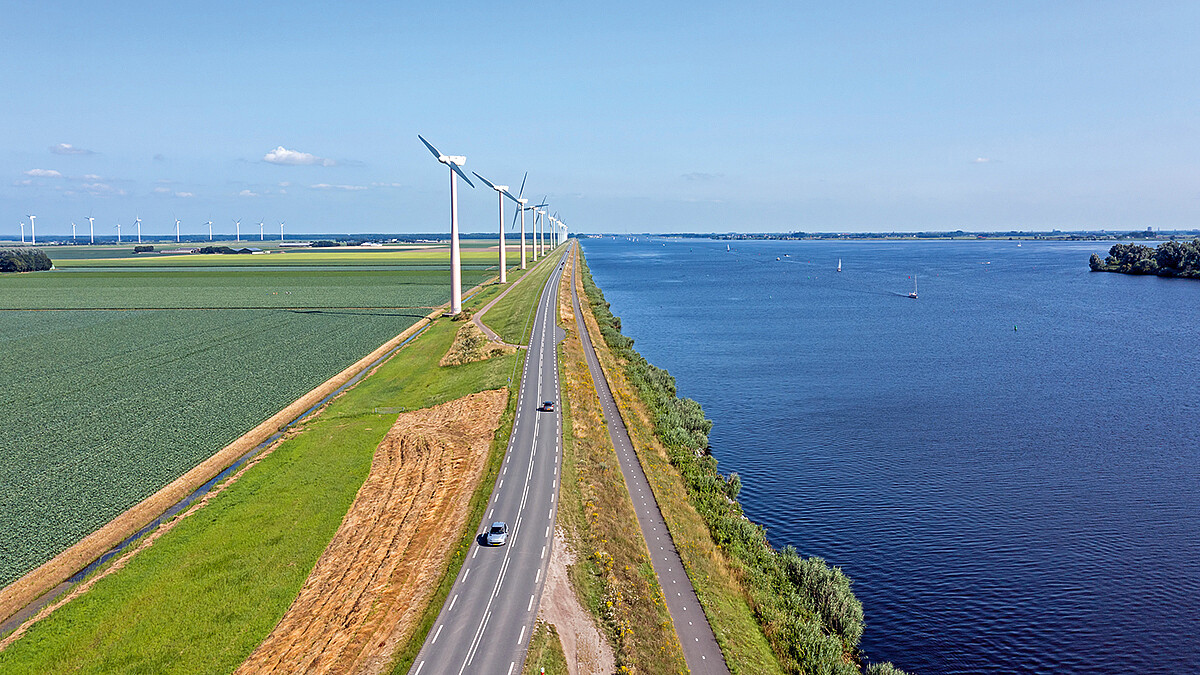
{"x":640,"y":116}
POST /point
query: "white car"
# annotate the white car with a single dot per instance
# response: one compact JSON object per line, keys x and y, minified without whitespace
{"x":497,"y":534}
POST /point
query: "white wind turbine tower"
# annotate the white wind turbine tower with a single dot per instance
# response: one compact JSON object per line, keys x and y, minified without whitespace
{"x":118,"y":231}
{"x":22,"y":232}
{"x":261,"y":236}
{"x":521,"y":209}
{"x":281,"y":231}
{"x":138,"y":222}
{"x":538,"y":214}
{"x":92,"y":229}
{"x":176,"y":230}
{"x":453,"y":161}
{"x":32,"y":230}
{"x":501,"y":193}
{"x":210,"y":230}
{"x":72,"y":231}
{"x":237,"y":224}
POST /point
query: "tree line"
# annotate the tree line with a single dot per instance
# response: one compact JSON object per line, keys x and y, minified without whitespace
{"x":1170,"y":259}
{"x":24,"y":260}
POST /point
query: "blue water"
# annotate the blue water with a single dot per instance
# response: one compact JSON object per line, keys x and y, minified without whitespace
{"x":1005,"y":500}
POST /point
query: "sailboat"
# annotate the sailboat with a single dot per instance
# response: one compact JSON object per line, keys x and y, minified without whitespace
{"x":839,"y":264}
{"x":913,"y":295}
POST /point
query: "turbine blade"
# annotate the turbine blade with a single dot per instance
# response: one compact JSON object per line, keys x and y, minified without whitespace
{"x":508,"y":194}
{"x":431,"y":148}
{"x":454,"y":167}
{"x":516,"y":214}
{"x":489,"y":183}
{"x":522,"y":192}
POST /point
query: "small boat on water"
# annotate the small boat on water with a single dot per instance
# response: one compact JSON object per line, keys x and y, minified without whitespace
{"x":913,"y":295}
{"x":839,"y":264}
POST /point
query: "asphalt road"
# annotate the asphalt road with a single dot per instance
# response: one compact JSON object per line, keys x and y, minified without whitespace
{"x":485,"y":625}
{"x":700,"y":648}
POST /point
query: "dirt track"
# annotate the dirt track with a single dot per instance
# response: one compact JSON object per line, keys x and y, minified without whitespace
{"x":371,"y":584}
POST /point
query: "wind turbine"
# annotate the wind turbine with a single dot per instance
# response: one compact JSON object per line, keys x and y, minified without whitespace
{"x":92,"y":229}
{"x":138,"y":221}
{"x":281,"y":231}
{"x":22,"y":232}
{"x":453,"y":161}
{"x":238,"y":226}
{"x":118,"y":231}
{"x":32,"y":231}
{"x":261,"y":236}
{"x":537,"y":219}
{"x":176,"y":230}
{"x":72,"y":231}
{"x":210,"y":230}
{"x":501,"y":193}
{"x":521,"y":211}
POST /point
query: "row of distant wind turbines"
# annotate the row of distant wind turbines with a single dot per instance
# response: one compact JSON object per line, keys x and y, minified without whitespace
{"x":138,"y":221}
{"x":542,"y":220}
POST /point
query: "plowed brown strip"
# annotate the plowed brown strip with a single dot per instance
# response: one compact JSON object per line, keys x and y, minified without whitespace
{"x":369,"y":587}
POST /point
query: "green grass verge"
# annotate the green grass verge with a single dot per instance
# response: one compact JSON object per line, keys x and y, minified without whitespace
{"x":510,"y":318}
{"x":545,"y":652}
{"x":206,"y":593}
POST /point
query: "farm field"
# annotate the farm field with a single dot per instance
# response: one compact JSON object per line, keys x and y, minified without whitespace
{"x":171,"y":610}
{"x":102,"y":408}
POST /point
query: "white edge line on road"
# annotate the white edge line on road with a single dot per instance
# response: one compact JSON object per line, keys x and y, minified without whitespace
{"x":437,"y":635}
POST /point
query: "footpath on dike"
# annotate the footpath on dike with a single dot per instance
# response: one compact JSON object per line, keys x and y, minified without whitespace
{"x":696,"y":637}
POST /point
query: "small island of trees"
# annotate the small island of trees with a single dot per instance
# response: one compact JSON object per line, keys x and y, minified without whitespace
{"x":1170,"y":259}
{"x":24,"y":260}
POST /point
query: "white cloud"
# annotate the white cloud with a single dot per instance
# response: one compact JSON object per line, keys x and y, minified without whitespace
{"x":981,"y":160}
{"x":162,"y":190}
{"x":43,"y":173}
{"x":90,"y":176}
{"x":97,"y":189}
{"x":282,"y":155}
{"x":247,"y":193}
{"x":285,"y":183}
{"x":327,"y":186}
{"x":27,"y":181}
{"x":185,"y":194}
{"x":68,"y":149}
{"x":395,"y":185}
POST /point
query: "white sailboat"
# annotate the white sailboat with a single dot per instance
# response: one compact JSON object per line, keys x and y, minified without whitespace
{"x":839,"y":264}
{"x":913,"y":295}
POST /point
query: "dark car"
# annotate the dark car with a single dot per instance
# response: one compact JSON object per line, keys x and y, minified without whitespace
{"x":547,"y":406}
{"x":497,"y":534}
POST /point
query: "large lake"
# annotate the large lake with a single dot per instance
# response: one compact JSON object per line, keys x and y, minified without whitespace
{"x":1008,"y":467}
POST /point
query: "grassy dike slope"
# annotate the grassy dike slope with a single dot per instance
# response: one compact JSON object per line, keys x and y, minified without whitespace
{"x":208,"y":591}
{"x":771,"y":611}
{"x":612,"y":575}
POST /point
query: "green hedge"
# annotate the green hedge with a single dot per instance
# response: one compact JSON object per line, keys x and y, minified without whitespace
{"x":805,"y":607}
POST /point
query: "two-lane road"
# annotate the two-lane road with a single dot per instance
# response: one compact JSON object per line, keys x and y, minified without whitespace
{"x":485,"y":625}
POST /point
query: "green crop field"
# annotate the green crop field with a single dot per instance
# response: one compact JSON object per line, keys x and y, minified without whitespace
{"x":101,"y":408}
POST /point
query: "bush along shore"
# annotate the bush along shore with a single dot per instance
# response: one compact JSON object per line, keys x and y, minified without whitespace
{"x":1170,"y":259}
{"x":804,"y":606}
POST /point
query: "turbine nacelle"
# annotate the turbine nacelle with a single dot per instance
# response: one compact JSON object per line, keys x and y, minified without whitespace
{"x":456,"y":160}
